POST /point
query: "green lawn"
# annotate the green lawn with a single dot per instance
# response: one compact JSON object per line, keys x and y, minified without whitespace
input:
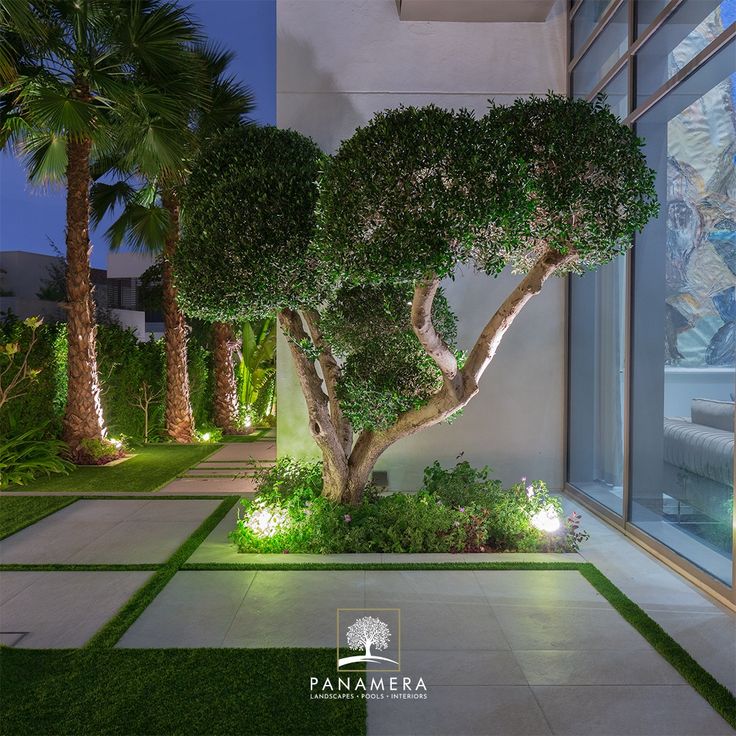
{"x":152,"y":467}
{"x":171,"y":691}
{"x":18,"y":512}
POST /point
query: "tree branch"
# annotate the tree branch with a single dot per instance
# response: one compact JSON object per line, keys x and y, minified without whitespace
{"x":490,"y":338}
{"x":320,"y":421}
{"x":371,"y":444}
{"x":432,"y":342}
{"x":331,"y":376}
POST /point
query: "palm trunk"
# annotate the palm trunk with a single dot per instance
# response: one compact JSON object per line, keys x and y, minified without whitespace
{"x":179,"y":420}
{"x":226,"y":390}
{"x":83,"y":418}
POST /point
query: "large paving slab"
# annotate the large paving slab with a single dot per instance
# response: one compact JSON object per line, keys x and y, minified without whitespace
{"x":499,"y":650}
{"x":704,"y":628}
{"x":61,"y":609}
{"x":243,"y":608}
{"x":245,"y":451}
{"x":108,"y":531}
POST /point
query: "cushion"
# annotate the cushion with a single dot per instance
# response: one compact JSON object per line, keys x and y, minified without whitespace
{"x":712,"y":413}
{"x":701,"y":450}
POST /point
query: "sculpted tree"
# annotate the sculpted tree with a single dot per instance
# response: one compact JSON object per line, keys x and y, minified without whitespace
{"x":545,"y":186}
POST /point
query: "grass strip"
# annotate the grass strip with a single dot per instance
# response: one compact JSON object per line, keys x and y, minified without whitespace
{"x":721,"y":699}
{"x":176,"y":692}
{"x":152,"y":467}
{"x":18,"y":512}
{"x":111,"y":632}
{"x":75,"y":567}
{"x":382,"y":566}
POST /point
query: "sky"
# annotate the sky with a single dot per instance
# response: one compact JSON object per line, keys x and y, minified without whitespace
{"x":32,"y":218}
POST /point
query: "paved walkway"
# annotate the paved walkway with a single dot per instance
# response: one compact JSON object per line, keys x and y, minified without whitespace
{"x":229,"y":470}
{"x":502,"y":652}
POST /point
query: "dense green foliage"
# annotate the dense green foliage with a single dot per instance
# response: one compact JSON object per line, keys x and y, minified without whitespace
{"x":150,"y":467}
{"x":421,"y":190}
{"x":248,"y":217}
{"x":458,"y":510}
{"x":29,"y":455}
{"x":152,"y":691}
{"x":255,"y":371}
{"x":42,"y":402}
{"x":412,"y":192}
{"x":386,"y":371}
{"x":587,"y":185}
{"x":130,"y":371}
{"x":18,"y":512}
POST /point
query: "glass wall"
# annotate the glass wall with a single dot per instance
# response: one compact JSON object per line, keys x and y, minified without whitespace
{"x":662,"y":460}
{"x":596,"y":375}
{"x":682,"y":430}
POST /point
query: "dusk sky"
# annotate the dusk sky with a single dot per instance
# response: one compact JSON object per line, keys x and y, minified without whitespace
{"x":30,"y":217}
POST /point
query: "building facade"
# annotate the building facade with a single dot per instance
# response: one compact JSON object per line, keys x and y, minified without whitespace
{"x":617,"y":386}
{"x":652,"y":336}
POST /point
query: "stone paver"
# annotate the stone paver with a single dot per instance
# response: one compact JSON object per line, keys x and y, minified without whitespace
{"x":107,"y":532}
{"x":703,"y":627}
{"x":641,"y":710}
{"x":499,"y":650}
{"x":245,"y":451}
{"x":62,"y":609}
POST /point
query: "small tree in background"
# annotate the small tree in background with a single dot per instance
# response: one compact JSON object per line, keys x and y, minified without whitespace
{"x":545,"y":186}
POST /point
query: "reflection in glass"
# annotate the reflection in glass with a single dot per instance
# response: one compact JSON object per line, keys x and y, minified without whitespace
{"x":685,"y":302}
{"x":606,"y":50}
{"x":685,"y":33}
{"x":617,"y":93}
{"x":596,"y":440}
{"x":585,"y":21}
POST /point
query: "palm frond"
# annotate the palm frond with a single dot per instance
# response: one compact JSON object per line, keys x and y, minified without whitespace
{"x":44,"y":154}
{"x":105,"y":198}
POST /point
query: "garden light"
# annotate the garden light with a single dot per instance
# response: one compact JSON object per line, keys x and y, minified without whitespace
{"x":266,"y":521}
{"x":546,"y":520}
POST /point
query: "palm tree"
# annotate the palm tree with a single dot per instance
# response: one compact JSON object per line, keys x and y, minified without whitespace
{"x":66,"y":88}
{"x":225,"y":401}
{"x":148,"y":191}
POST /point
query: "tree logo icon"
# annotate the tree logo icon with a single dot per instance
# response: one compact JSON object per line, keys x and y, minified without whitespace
{"x":370,"y":635}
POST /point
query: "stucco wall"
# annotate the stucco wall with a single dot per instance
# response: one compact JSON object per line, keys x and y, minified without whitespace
{"x":338,"y":62}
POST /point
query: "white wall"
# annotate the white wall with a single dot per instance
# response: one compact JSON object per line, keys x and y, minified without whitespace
{"x":127,"y":265}
{"x":340,"y":61}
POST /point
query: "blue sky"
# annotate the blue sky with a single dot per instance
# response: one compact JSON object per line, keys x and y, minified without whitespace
{"x":30,"y":217}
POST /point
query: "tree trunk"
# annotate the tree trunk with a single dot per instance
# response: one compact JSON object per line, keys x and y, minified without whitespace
{"x":226,"y":390}
{"x":179,"y":420}
{"x":347,"y":469}
{"x":83,"y":418}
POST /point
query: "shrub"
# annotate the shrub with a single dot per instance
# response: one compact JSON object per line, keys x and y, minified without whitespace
{"x":93,"y":451}
{"x":458,"y":510}
{"x":28,"y":455}
{"x":45,"y":346}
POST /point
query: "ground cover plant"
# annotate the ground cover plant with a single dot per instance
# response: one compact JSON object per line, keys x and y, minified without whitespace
{"x":171,"y":691}
{"x":18,"y":512}
{"x":457,"y":510}
{"x":349,"y":251}
{"x":150,"y":467}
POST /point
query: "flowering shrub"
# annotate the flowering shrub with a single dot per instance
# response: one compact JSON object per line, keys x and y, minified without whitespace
{"x":458,"y":510}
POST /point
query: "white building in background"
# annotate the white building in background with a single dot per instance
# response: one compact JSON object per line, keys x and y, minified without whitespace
{"x":340,"y":62}
{"x":30,"y":285}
